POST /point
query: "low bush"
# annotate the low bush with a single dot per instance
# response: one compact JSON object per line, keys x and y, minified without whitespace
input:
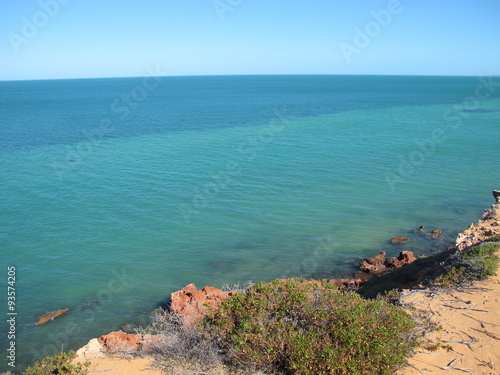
{"x":495,"y":238}
{"x":61,"y":363}
{"x":180,"y":348}
{"x":476,"y":263}
{"x":309,"y":327}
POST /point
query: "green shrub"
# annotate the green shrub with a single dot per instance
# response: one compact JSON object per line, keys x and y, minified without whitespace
{"x":477,"y":263}
{"x":309,"y":327}
{"x":59,"y":364}
{"x":495,"y":238}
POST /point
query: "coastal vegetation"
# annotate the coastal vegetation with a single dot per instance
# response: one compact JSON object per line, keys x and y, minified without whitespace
{"x":310,"y":327}
{"x":476,"y":263}
{"x":60,"y":364}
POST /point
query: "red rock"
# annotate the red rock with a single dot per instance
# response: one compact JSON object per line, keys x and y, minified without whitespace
{"x":192,"y":304}
{"x":481,"y":231}
{"x":399,"y":239}
{"x":120,"y":341}
{"x":50,"y":316}
{"x":404,"y":258}
{"x":347,"y":283}
{"x":436,"y":233}
{"x":374,"y":265}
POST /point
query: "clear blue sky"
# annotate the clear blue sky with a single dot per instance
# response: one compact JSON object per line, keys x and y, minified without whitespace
{"x":118,"y":38}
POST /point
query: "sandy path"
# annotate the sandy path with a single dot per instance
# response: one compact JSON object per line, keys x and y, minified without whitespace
{"x":120,"y":366}
{"x":470,"y":333}
{"x":123,"y":366}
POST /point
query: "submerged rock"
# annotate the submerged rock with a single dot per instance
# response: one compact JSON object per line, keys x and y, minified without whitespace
{"x":50,"y":316}
{"x":399,"y":239}
{"x":374,"y":265}
{"x":436,"y":233}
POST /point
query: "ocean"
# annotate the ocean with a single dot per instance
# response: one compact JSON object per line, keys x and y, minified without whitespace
{"x":116,"y":192}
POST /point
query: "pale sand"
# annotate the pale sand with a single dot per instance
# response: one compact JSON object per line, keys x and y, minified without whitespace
{"x":119,"y":366}
{"x":470,"y":318}
{"x":471,"y":327}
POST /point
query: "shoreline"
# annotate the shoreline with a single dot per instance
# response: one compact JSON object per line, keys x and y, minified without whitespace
{"x":468,"y":319}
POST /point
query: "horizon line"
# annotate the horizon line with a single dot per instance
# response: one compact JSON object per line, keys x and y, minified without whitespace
{"x":252,"y":75}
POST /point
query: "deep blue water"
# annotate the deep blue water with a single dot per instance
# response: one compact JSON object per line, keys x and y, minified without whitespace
{"x":116,"y":192}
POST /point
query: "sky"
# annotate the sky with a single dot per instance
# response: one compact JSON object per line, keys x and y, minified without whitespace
{"x":53,"y":39}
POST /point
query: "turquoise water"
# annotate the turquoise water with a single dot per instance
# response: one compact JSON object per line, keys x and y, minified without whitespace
{"x":110,"y":201}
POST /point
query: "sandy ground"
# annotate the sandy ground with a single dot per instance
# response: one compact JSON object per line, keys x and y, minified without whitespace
{"x":469,"y":341}
{"x":119,"y":366}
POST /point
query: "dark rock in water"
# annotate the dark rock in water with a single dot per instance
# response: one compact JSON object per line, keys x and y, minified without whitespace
{"x":404,"y":258}
{"x":374,"y":265}
{"x":496,"y":195}
{"x":399,"y":239}
{"x":436,"y":233}
{"x":244,"y":246}
{"x":92,"y":304}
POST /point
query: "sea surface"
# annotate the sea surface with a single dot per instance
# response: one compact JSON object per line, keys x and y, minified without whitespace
{"x":116,"y":192}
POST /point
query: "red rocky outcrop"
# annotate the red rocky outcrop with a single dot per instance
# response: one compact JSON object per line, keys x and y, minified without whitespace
{"x":120,"y":341}
{"x":404,"y":258}
{"x":488,"y":226}
{"x":192,"y":304}
{"x":378,"y":264}
{"x":374,"y":265}
{"x":347,"y":283}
